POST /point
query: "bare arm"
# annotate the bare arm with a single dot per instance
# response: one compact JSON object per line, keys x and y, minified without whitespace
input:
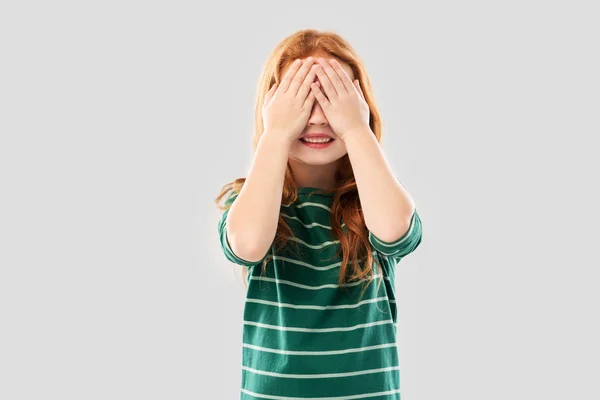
{"x":387,"y":206}
{"x":253,"y":216}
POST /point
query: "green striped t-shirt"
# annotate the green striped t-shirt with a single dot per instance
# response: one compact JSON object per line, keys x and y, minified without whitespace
{"x":304,"y":337}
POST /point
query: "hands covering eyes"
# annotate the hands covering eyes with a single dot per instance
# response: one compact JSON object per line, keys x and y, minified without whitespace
{"x":287,"y":106}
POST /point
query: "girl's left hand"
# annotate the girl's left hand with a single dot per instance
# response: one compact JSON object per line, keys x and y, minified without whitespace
{"x":343,"y":103}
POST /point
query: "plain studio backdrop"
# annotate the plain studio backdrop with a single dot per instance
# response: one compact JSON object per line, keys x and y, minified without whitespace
{"x":121,"y":121}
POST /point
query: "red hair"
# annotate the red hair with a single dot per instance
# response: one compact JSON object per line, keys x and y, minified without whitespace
{"x":354,"y":246}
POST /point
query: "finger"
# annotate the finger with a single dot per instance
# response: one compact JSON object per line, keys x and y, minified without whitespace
{"x":310,"y":100}
{"x":304,"y":89}
{"x":289,"y":74}
{"x":344,"y":78}
{"x":325,"y":82}
{"x":333,"y":77}
{"x":357,"y":84}
{"x":300,"y":75}
{"x":323,"y":101}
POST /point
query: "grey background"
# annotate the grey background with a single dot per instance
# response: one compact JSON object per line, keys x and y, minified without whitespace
{"x":121,"y":121}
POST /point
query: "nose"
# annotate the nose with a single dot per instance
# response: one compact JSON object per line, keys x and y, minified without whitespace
{"x":317,"y":116}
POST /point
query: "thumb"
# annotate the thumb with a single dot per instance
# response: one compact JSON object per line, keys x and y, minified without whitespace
{"x":357,"y":85}
{"x":269,"y":94}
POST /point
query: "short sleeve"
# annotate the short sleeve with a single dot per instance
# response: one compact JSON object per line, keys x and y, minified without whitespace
{"x":405,"y":245}
{"x":225,"y":246}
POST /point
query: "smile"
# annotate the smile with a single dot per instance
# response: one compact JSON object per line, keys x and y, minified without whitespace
{"x":317,"y":144}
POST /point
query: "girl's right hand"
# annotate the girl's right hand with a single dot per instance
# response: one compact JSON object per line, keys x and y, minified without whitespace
{"x":287,"y":107}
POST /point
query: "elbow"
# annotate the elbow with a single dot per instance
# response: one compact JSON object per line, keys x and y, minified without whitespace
{"x":396,"y":231}
{"x":245,"y":248}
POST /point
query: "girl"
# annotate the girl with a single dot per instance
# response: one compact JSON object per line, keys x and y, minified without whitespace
{"x":319,"y":216}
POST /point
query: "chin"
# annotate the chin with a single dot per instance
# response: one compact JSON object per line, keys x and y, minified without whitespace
{"x":312,"y":156}
{"x":317,"y":159}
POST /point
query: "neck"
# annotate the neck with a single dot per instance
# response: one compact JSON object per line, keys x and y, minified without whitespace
{"x":317,"y":176}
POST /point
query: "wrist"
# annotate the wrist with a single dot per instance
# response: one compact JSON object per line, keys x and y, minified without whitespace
{"x":279,"y":137}
{"x":358,"y":133}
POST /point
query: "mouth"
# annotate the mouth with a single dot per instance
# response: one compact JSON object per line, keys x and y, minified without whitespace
{"x":317,"y":142}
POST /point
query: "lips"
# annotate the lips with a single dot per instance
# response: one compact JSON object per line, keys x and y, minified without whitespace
{"x":316,"y":135}
{"x":316,"y":145}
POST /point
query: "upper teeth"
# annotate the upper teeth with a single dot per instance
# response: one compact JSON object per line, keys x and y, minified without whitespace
{"x":317,"y":140}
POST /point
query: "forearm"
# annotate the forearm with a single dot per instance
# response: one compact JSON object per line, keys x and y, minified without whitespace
{"x":253,"y":216}
{"x":384,"y":200}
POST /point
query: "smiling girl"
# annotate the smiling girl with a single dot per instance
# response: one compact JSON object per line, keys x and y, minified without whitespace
{"x":318,"y":218}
